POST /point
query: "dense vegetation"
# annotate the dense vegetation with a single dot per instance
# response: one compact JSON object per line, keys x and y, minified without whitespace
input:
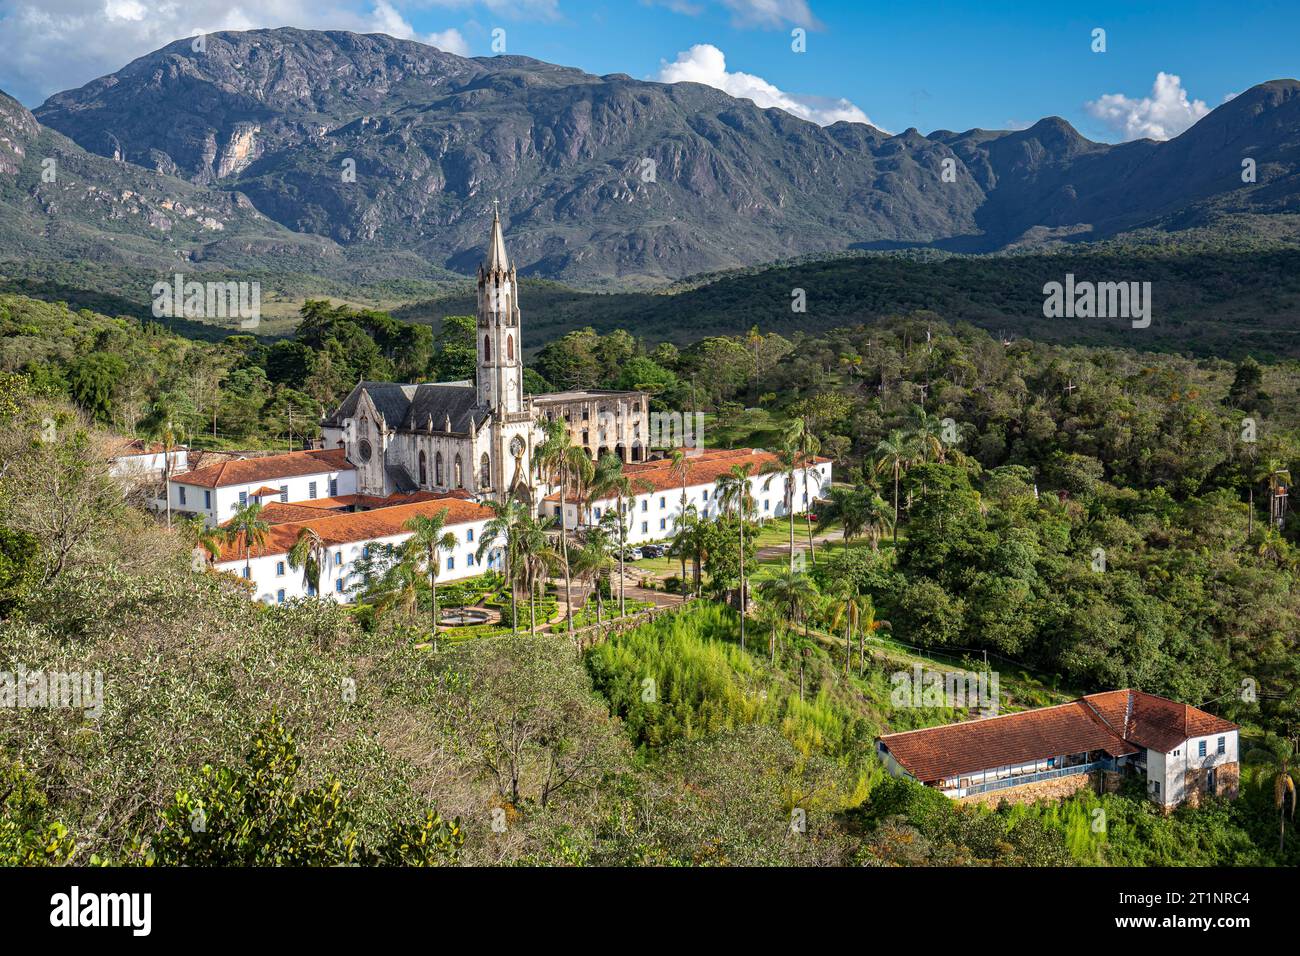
{"x":681,"y":741}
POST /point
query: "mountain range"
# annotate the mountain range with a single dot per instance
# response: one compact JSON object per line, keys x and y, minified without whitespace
{"x":322,"y":152}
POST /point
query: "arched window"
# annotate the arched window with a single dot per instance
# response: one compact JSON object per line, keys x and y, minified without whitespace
{"x":485,"y":472}
{"x":487,"y":349}
{"x":457,"y":474}
{"x":510,"y":348}
{"x":437,"y":470}
{"x":424,"y":469}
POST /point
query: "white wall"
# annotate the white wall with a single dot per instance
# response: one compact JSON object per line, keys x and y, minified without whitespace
{"x":151,"y":466}
{"x":1170,"y":769}
{"x":270,"y":579}
{"x":224,"y":501}
{"x":653,"y":514}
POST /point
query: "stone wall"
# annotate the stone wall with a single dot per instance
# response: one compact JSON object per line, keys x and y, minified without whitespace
{"x":1056,"y":788}
{"x":1227,"y":778}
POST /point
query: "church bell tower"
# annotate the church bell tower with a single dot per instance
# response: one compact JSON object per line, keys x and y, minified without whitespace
{"x":500,"y":372}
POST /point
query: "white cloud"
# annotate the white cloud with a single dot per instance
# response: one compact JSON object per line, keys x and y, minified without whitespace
{"x":770,"y":14}
{"x":1163,"y":115}
{"x":51,"y":45}
{"x":705,"y":63}
{"x":751,"y":14}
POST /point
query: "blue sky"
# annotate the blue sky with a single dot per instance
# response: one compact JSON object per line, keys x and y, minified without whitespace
{"x":930,"y":65}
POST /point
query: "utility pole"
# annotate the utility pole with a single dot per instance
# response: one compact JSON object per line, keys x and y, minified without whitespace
{"x":290,"y":426}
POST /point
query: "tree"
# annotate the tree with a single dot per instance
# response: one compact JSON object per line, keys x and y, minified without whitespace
{"x":310,"y":553}
{"x":249,"y":528}
{"x":256,"y":815}
{"x":1276,"y":756}
{"x":534,"y":559}
{"x":895,"y":453}
{"x":199,"y":534}
{"x":610,"y":482}
{"x":569,"y":468}
{"x":507,"y":518}
{"x":592,"y":562}
{"x":734,"y":492}
{"x":785,"y":464}
{"x":790,"y":594}
{"x":429,"y":535}
{"x":688,"y":538}
{"x":805,"y":442}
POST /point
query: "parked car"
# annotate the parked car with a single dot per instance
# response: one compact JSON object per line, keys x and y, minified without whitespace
{"x":631,"y":554}
{"x":653,"y":550}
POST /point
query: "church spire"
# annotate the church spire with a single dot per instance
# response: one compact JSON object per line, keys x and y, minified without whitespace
{"x":497,"y":260}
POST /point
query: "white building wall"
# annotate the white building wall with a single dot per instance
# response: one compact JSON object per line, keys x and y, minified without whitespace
{"x":271,"y":574}
{"x":220,"y":504}
{"x":653,"y":515}
{"x":1170,"y":769}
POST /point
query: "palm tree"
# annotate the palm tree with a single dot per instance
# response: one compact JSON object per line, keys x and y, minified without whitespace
{"x":790,"y":594}
{"x":610,"y":482}
{"x":895,"y":456}
{"x":688,"y":538}
{"x":803,"y":439}
{"x":786,"y":464}
{"x":927,"y":432}
{"x":868,"y":624}
{"x":567,"y":465}
{"x":534,"y":559}
{"x":591,"y":562}
{"x":507,"y":517}
{"x":248,"y":523}
{"x":680,"y":469}
{"x":733,"y":491}
{"x":846,"y":605}
{"x":846,"y":506}
{"x":311,"y":554}
{"x":199,"y":534}
{"x":1276,"y":756}
{"x":400,"y":586}
{"x":429,"y":535}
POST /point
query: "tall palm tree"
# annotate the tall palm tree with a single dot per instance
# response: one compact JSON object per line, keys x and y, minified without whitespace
{"x":567,"y":465}
{"x":680,"y":469}
{"x":846,"y":506}
{"x":610,"y":482}
{"x":790,"y":594}
{"x":688,"y":538}
{"x":1276,"y":755}
{"x":591,"y":562}
{"x":786,"y":464}
{"x":868,"y":624}
{"x":310,"y":553}
{"x":803,"y":439}
{"x":249,"y":525}
{"x":895,"y":455}
{"x":845,"y":605}
{"x":400,"y":586}
{"x":734,"y":492}
{"x":429,"y":535}
{"x":503,"y":526}
{"x":534,"y":559}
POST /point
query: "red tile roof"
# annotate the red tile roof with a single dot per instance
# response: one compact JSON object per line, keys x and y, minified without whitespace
{"x":1155,"y":722}
{"x":359,"y":526}
{"x":1118,"y":722}
{"x":703,"y":469}
{"x":247,"y":471}
{"x":277,"y":512}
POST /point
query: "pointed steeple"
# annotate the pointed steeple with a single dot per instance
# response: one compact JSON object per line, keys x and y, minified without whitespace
{"x":496,"y":260}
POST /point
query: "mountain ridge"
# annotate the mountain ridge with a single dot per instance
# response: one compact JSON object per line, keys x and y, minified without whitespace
{"x":608,"y":180}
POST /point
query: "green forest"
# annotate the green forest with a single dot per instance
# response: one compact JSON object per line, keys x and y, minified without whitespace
{"x":1090,"y":517}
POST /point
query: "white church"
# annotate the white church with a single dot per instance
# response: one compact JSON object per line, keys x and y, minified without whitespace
{"x":477,"y":436}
